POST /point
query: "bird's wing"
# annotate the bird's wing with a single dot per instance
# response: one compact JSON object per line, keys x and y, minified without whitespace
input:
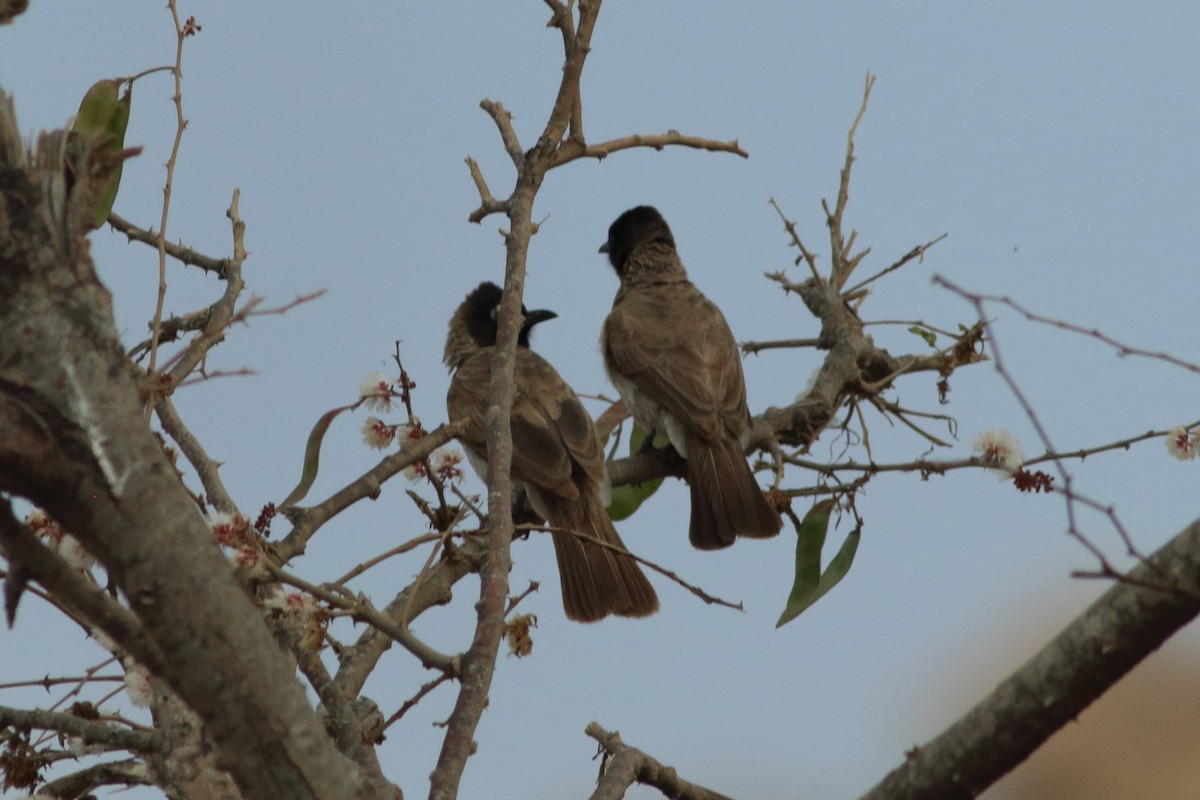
{"x":677,"y":349}
{"x":552,"y":433}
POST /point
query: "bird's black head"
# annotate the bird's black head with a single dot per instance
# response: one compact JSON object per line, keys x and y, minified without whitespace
{"x":479,"y":313}
{"x":636,"y":227}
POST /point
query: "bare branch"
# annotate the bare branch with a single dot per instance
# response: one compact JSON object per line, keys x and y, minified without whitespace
{"x":181,"y":253}
{"x":1067,"y":489}
{"x":487,"y":204}
{"x":1121,"y":348}
{"x":805,"y":255}
{"x":361,"y":608}
{"x":503,"y":120}
{"x":917,"y":252}
{"x":180,"y":124}
{"x":572,"y":151}
{"x":625,"y":765}
{"x":749,"y":348}
{"x":306,"y":521}
{"x":842,"y":263}
{"x":711,"y":600}
{"x":194,"y":452}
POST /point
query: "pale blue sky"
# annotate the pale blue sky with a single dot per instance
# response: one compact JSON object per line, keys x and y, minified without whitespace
{"x":1055,"y":143}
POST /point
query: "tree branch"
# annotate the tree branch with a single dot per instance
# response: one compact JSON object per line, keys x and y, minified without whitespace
{"x":1128,"y":622}
{"x":625,"y":765}
{"x":572,"y":150}
{"x":87,"y":730}
{"x":181,"y":253}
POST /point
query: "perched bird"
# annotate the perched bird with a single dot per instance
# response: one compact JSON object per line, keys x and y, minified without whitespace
{"x":671,"y":355}
{"x":557,"y":459}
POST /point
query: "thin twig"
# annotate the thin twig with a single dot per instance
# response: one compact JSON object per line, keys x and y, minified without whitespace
{"x":361,"y":608}
{"x":790,"y":227}
{"x":916,"y":252}
{"x":749,"y":348}
{"x":696,"y":590}
{"x":180,"y":124}
{"x":180,"y":252}
{"x":416,"y":698}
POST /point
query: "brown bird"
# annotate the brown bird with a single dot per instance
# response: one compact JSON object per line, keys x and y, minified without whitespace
{"x":557,"y":459}
{"x":671,"y":355}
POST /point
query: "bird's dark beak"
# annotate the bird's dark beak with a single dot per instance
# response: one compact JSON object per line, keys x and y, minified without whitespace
{"x":604,"y":248}
{"x":537,"y":315}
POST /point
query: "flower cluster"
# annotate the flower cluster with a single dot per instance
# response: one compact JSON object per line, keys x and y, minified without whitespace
{"x":302,"y":613}
{"x":444,"y":462}
{"x":234,"y":532}
{"x":1183,"y":444}
{"x":379,"y":434}
{"x":230,"y":530}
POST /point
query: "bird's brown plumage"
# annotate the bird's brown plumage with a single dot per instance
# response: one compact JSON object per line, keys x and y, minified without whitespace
{"x":556,"y":457}
{"x":669,"y":352}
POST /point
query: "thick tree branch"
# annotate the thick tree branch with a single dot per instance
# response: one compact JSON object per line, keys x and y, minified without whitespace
{"x":70,"y":416}
{"x":113,"y":773}
{"x":480,"y":659}
{"x":87,"y":730}
{"x":1128,"y":622}
{"x":67,"y":585}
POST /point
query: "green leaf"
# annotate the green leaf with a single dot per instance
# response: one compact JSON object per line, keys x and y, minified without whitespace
{"x":102,"y":113}
{"x":929,"y":336}
{"x":312,"y":456}
{"x":97,"y":107}
{"x":627,"y":499}
{"x":811,"y":584}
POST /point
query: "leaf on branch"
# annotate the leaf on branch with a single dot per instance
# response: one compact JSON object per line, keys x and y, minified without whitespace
{"x":929,"y":336}
{"x":811,"y":584}
{"x":312,"y":456}
{"x":102,"y":113}
{"x":627,"y":499}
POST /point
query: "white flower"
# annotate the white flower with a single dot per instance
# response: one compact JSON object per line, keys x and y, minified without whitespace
{"x":376,"y":390}
{"x":292,"y":603}
{"x":1181,"y":444}
{"x":377,"y":433}
{"x":999,"y":450}
{"x":414,"y":471}
{"x":445,"y":463}
{"x":249,"y":559}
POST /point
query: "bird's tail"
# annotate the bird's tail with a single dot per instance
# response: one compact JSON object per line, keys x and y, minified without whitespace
{"x":596,"y":580}
{"x":726,"y":500}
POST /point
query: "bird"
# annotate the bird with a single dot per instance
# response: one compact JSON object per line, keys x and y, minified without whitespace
{"x":557,"y":459}
{"x":672,"y":357}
